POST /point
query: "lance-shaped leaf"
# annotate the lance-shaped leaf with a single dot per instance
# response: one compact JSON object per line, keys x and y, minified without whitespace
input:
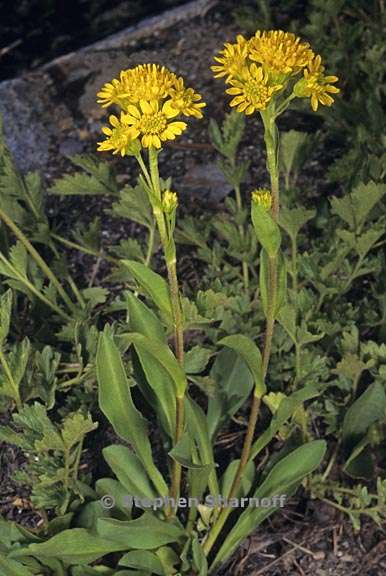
{"x":144,"y":533}
{"x":152,"y":284}
{"x":129,"y":470}
{"x":266,"y":229}
{"x":162,"y":354}
{"x":251,"y":355}
{"x":74,"y":546}
{"x":283,"y":479}
{"x":117,"y":405}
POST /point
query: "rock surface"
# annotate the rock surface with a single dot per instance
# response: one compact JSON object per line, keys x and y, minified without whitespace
{"x":54,"y":110}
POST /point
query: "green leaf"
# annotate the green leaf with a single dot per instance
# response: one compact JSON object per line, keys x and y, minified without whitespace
{"x":293,"y":220}
{"x":143,"y":560}
{"x":197,"y":427}
{"x":284,"y":478}
{"x":75,"y":428}
{"x":74,"y":546}
{"x":162,"y":354}
{"x":355,"y":208}
{"x":145,"y":533}
{"x":234,"y":384}
{"x":291,"y":145}
{"x":116,"y":403}
{"x":196,"y":359}
{"x":134,"y":204}
{"x":266,"y":229}
{"x":129,"y":470}
{"x":153,"y":285}
{"x":12,"y":568}
{"x":251,"y":355}
{"x":143,"y":320}
{"x":78,"y":184}
{"x":5,"y":315}
{"x":246,"y":480}
{"x":182,"y":452}
{"x":366,"y":410}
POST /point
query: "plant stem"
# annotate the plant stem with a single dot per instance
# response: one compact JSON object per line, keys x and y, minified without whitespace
{"x":38,"y":259}
{"x":75,"y":246}
{"x":170,"y":259}
{"x":222,"y":518}
{"x":11,"y":380}
{"x":150,"y":245}
{"x":271,"y":142}
{"x":242,"y":235}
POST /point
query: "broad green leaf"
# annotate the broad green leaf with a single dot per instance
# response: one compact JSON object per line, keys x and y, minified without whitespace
{"x":152,"y":284}
{"x":129,"y":471}
{"x":143,"y":320}
{"x":366,"y":410}
{"x":251,"y":355}
{"x":120,"y":506}
{"x":162,"y":354}
{"x":74,"y":546}
{"x":197,"y":427}
{"x":116,"y":403}
{"x":276,"y":266}
{"x":266,"y":229}
{"x":143,"y":560}
{"x":283,"y":479}
{"x":10,"y":567}
{"x":145,"y":533}
{"x":234,"y":384}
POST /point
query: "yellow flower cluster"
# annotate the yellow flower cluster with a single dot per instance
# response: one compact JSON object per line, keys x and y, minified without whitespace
{"x":149,"y":96}
{"x":262,"y":197}
{"x":270,"y":63}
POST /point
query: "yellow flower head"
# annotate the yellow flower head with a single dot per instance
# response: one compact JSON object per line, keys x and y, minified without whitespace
{"x":151,"y":123}
{"x":251,"y":92}
{"x":262,"y":197}
{"x":149,"y":96}
{"x":121,"y":138}
{"x":316,"y":85}
{"x":169,"y":201}
{"x":186,"y":100}
{"x":279,"y":53}
{"x":232,"y":59}
{"x":264,"y":69}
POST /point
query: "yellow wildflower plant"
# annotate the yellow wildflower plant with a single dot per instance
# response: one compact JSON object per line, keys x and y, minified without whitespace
{"x":262,"y":197}
{"x":149,"y":96}
{"x":265,"y":70}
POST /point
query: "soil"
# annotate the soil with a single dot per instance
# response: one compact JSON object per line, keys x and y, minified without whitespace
{"x":307,"y":538}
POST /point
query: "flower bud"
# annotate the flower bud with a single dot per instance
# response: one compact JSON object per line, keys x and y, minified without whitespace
{"x":169,"y":201}
{"x":262,"y":197}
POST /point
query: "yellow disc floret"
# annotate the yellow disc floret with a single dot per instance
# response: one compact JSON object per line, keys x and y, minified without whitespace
{"x":262,"y":197}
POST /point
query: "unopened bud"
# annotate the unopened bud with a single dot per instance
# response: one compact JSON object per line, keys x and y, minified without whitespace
{"x":262,"y":197}
{"x":169,"y":201}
